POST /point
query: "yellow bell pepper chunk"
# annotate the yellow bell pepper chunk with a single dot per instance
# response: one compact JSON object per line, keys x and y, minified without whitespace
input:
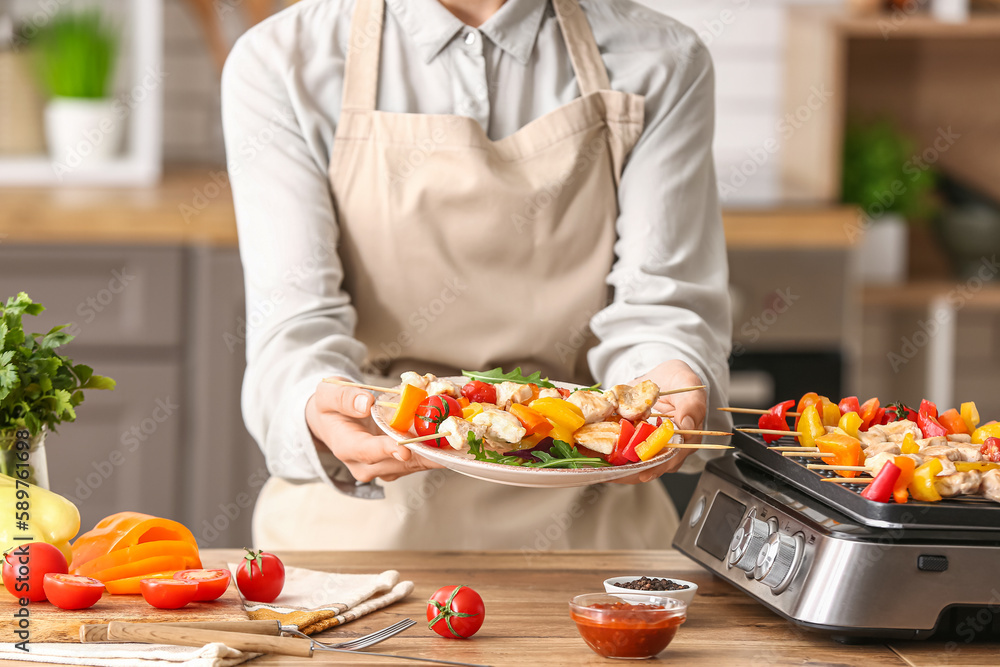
{"x":810,"y":426}
{"x":986,"y":431}
{"x":830,"y":414}
{"x":560,"y":432}
{"x":850,"y":423}
{"x":51,"y":517}
{"x":471,"y":410}
{"x":656,"y":441}
{"x":909,"y":445}
{"x":560,"y":412}
{"x":970,"y":415}
{"x":409,"y":400}
{"x":923,"y":487}
{"x":981,"y":466}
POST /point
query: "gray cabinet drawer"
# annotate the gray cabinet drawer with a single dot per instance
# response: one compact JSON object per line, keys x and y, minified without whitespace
{"x":113,"y":296}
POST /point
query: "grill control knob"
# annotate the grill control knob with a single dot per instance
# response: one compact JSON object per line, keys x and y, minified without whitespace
{"x":747,"y":542}
{"x":776,"y":561}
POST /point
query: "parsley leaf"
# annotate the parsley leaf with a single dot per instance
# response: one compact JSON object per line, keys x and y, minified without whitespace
{"x":496,"y":376}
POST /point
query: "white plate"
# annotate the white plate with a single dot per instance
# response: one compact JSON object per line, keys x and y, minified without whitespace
{"x":466,"y":464}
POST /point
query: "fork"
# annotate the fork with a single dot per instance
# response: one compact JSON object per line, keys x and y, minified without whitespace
{"x":360,"y":642}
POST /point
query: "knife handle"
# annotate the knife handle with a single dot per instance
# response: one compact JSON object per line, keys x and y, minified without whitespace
{"x":98,"y":632}
{"x":157,"y":633}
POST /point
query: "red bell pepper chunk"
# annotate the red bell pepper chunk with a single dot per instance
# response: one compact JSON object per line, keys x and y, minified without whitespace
{"x":880,"y":490}
{"x":869,"y":409}
{"x":882,"y":417}
{"x":642,"y":431}
{"x":953,"y":421}
{"x":772,"y":422}
{"x":849,"y":404}
{"x":927,"y":408}
{"x":617,"y":457}
{"x":781,"y":408}
{"x":929,"y":426}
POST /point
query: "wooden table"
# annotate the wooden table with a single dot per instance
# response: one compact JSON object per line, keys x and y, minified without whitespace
{"x":528,"y":621}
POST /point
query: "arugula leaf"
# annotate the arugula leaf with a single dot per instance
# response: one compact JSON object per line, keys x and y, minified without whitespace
{"x":477,"y":449}
{"x":593,"y":387}
{"x":496,"y":376}
{"x":567,"y":456}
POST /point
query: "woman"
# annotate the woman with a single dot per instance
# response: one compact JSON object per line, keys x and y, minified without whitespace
{"x":432,"y":185}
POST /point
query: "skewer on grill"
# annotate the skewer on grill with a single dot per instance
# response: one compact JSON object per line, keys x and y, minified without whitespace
{"x":809,"y":454}
{"x":820,"y":466}
{"x":794,"y":449}
{"x":767,"y":431}
{"x":755,"y":411}
{"x":848,"y":480}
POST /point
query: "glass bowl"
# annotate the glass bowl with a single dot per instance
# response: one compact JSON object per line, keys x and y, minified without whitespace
{"x":631,"y":626}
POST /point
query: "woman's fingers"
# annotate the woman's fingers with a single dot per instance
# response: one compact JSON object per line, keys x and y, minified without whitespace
{"x":348,"y":401}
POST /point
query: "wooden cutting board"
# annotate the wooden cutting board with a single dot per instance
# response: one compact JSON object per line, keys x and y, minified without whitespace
{"x":48,"y":623}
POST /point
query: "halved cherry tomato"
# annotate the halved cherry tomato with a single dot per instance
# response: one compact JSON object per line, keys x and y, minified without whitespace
{"x":72,"y":591}
{"x":168,"y":593}
{"x":480,"y":392}
{"x":431,"y":412}
{"x":25,"y":567}
{"x":211,"y":583}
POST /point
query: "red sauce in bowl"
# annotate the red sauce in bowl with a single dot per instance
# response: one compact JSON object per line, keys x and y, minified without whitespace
{"x":623,"y":630}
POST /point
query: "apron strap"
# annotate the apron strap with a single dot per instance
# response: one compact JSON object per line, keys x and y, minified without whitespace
{"x":363,"y":53}
{"x":591,"y":75}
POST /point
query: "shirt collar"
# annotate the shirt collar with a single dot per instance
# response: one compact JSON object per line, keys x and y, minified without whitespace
{"x":513,"y":28}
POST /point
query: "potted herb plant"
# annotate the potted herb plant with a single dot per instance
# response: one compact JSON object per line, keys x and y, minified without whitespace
{"x":39,"y":388}
{"x":884,"y":176}
{"x":76,"y":53}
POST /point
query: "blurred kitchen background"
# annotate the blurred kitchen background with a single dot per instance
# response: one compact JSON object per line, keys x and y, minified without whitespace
{"x":858,"y":156}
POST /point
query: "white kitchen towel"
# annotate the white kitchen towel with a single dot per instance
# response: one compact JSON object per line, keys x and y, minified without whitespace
{"x":128,"y":655}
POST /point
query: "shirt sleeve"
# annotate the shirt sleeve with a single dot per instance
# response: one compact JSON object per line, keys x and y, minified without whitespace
{"x":299,"y":320}
{"x":670,"y":277}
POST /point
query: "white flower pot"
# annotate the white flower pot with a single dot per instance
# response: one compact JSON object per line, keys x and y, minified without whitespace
{"x":883,"y":252}
{"x":82,"y":133}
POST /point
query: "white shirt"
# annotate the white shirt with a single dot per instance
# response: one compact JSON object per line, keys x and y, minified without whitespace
{"x":281,"y":91}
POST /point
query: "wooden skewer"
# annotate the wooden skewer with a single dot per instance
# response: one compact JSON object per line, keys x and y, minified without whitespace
{"x":818,"y":466}
{"x":809,"y":454}
{"x":429,"y":436}
{"x":660,"y":414}
{"x":754,"y":411}
{"x":387,"y":404}
{"x":793,"y":449}
{"x":682,"y":390}
{"x":767,"y":431}
{"x":849,"y":480}
{"x":700,"y":446}
{"x":345,"y":383}
{"x":686,"y":432}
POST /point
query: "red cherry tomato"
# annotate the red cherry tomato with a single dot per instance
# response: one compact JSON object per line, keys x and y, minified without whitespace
{"x":455,"y":612}
{"x":480,"y":392}
{"x":261,"y":576}
{"x":431,"y":412}
{"x":72,"y":591}
{"x":211,"y":583}
{"x":25,"y":567}
{"x":168,"y":593}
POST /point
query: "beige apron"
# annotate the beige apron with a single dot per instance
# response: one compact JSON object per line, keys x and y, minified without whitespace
{"x":463,"y":252}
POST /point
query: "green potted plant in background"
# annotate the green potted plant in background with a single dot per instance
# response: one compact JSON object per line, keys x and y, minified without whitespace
{"x":882,"y":174}
{"x":39,"y":388}
{"x":76,"y":54}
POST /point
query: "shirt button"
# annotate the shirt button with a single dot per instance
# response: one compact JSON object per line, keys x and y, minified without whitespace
{"x":470,"y":38}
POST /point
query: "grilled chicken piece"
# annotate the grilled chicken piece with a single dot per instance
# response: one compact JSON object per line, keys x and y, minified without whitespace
{"x":896,"y":431}
{"x":512,"y":392}
{"x":958,"y":483}
{"x":883,"y":447}
{"x":456,"y":431}
{"x":600,"y":436}
{"x":500,"y":425}
{"x":936,"y":441}
{"x":446,"y":387}
{"x":868,"y":438}
{"x":418,"y":381}
{"x":947,"y":465}
{"x":961,"y":438}
{"x":875,"y":463}
{"x":990,"y":486}
{"x":595,"y":407}
{"x":548,"y":392}
{"x":633,"y":403}
{"x":968,"y":453}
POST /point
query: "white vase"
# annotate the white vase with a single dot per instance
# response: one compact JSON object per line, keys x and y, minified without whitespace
{"x":82,"y":133}
{"x":883,"y":252}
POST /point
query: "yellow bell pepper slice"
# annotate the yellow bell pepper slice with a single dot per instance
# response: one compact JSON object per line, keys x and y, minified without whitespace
{"x":986,"y":431}
{"x":560,"y":432}
{"x":850,"y":423}
{"x":50,"y":518}
{"x":970,"y":415}
{"x":846,"y":451}
{"x":909,"y":445}
{"x":407,"y":410}
{"x":656,"y":441}
{"x":922,"y":487}
{"x":471,"y":411}
{"x":981,"y":466}
{"x":560,"y":412}
{"x":810,"y":426}
{"x":830,"y":414}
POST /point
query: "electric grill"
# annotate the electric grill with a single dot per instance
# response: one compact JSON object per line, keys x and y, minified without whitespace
{"x":826,"y":558}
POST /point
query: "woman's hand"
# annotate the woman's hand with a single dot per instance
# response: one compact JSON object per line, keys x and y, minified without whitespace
{"x":340,"y":418}
{"x":688,"y":410}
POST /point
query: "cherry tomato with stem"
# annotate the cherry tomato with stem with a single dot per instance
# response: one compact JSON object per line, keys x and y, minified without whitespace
{"x":456,"y":612}
{"x":168,"y":593}
{"x":25,"y":567}
{"x":72,"y":591}
{"x":261,"y":576}
{"x":431,"y":412}
{"x":211,"y":583}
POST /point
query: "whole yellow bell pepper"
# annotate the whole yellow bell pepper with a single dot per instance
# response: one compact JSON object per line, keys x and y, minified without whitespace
{"x":922,"y":487}
{"x":560,"y":412}
{"x":810,"y":426}
{"x":970,"y":415}
{"x":47,"y":516}
{"x":656,"y":441}
{"x":909,"y":445}
{"x":986,"y":431}
{"x":850,"y":423}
